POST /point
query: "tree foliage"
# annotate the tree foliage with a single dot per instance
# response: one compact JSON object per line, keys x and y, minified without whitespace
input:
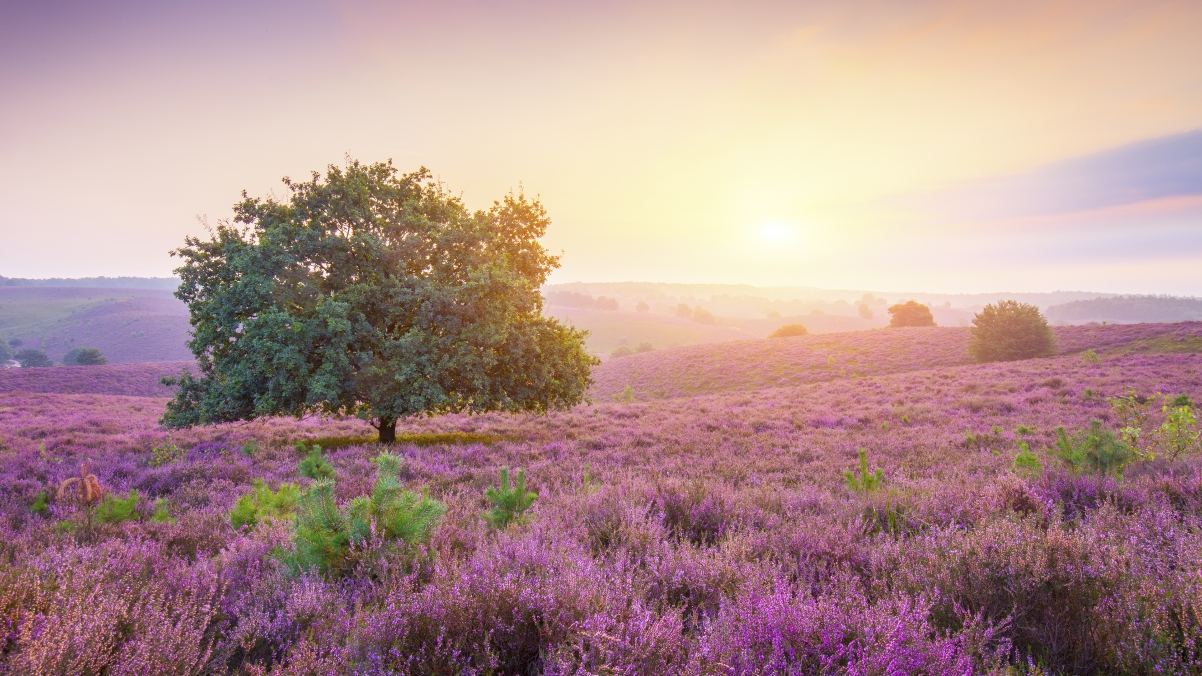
{"x":1010,"y":330}
{"x":84,"y":356}
{"x":375,"y":294}
{"x":31,"y":358}
{"x":910,"y":313}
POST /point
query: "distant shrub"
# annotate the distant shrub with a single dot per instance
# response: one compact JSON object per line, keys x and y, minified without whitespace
{"x":864,"y":311}
{"x":865,"y":481}
{"x":1009,"y":330}
{"x":704,"y":316}
{"x":642,"y":307}
{"x":684,"y":311}
{"x":262,"y":504}
{"x":84,"y":356}
{"x":114,"y":510}
{"x":6,"y":353}
{"x":603,"y":303}
{"x":1182,"y":400}
{"x":789,"y":330}
{"x":31,"y":358}
{"x":315,"y":465}
{"x":626,"y":396}
{"x":1091,"y":357}
{"x":509,"y":501}
{"x":1093,"y":451}
{"x":773,"y":314}
{"x":910,"y":313}
{"x":644,"y":347}
{"x":16,"y":342}
{"x":323,"y":533}
{"x":623,"y":351}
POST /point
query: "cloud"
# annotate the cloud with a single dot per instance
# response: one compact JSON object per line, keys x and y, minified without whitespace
{"x":1154,"y":169}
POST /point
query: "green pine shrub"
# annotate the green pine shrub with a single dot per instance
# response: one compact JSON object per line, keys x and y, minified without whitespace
{"x":162,"y":511}
{"x":114,"y":510}
{"x":509,"y":501}
{"x":1093,"y":451}
{"x":324,"y":533}
{"x":316,"y":465}
{"x":1026,"y":462}
{"x":40,"y":505}
{"x":262,"y":504}
{"x":865,"y":482}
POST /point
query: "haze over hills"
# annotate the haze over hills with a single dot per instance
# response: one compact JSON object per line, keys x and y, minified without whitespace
{"x":135,"y":319}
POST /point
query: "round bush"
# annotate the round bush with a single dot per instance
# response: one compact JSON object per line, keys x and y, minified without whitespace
{"x":1009,"y":330}
{"x":790,"y":330}
{"x":910,"y":313}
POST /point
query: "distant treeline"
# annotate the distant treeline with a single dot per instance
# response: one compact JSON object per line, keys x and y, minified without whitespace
{"x":573,"y":299}
{"x":166,"y":283}
{"x":1128,"y":309}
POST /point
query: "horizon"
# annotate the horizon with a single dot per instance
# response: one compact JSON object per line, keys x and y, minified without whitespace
{"x":944,"y":145}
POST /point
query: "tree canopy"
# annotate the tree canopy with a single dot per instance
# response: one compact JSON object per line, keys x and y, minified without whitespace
{"x":910,"y":313}
{"x":1010,"y":330}
{"x":375,"y":294}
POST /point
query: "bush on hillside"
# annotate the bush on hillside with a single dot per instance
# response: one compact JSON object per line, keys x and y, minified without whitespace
{"x":910,"y":313}
{"x":684,"y":311}
{"x":1010,"y":330}
{"x":623,"y":351}
{"x":31,"y":358}
{"x":864,"y":310}
{"x":704,"y":316}
{"x":789,"y":330}
{"x":84,"y":356}
{"x":5,"y":352}
{"x":642,"y":307}
{"x":604,"y":303}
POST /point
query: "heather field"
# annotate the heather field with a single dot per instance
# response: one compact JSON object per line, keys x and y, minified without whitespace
{"x":704,"y":528}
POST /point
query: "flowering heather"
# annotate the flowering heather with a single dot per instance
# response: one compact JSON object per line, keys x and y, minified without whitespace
{"x":754,"y":364}
{"x":134,"y":380}
{"x":716,"y":534}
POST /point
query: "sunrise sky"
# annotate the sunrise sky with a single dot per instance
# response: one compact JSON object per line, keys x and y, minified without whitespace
{"x":939,"y":146}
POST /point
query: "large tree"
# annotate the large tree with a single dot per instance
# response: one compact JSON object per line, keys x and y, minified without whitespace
{"x":374,"y":294}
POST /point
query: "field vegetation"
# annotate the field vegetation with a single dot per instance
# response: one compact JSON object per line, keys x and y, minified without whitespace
{"x":896,"y":510}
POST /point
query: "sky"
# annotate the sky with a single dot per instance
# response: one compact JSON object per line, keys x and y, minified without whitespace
{"x":947,"y":146}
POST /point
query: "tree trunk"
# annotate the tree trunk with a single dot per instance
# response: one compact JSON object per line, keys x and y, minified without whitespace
{"x":387,"y":429}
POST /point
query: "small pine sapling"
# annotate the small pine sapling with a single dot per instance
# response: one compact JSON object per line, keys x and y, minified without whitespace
{"x":866,"y":482}
{"x":40,"y":506}
{"x":262,"y":504}
{"x":397,"y":514}
{"x":510,"y":502}
{"x":1093,"y":451}
{"x":316,"y":465}
{"x":114,"y":510}
{"x":162,"y":511}
{"x":589,"y":485}
{"x":250,"y":448}
{"x":1091,"y":357}
{"x":1027,"y":463}
{"x":324,"y":534}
